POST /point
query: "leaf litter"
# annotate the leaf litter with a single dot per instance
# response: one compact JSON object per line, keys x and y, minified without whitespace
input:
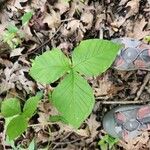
{"x":64,"y":24}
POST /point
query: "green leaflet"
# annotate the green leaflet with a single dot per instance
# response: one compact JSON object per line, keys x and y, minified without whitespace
{"x":10,"y":107}
{"x":31,"y":105}
{"x":94,"y":56}
{"x":74,"y":99}
{"x":12,"y":28}
{"x":16,"y":127}
{"x":50,"y":66}
{"x":107,"y":142}
{"x":26,"y":17}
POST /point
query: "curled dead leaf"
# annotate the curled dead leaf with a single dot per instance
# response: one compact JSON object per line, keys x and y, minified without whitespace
{"x":62,"y":6}
{"x":53,"y":19}
{"x":93,"y":126}
{"x":106,"y":87}
{"x":70,"y":28}
{"x":138,"y":29}
{"x":133,"y":7}
{"x":87,"y":19}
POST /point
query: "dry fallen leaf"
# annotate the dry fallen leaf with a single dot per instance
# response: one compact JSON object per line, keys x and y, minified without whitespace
{"x":93,"y":126}
{"x":70,"y":28}
{"x":16,"y":52}
{"x":122,"y":2}
{"x":133,"y":7}
{"x":87,"y":19}
{"x":106,"y":87}
{"x":14,"y":76}
{"x":138,"y":30}
{"x":76,"y":5}
{"x":99,"y":20}
{"x":27,"y":33}
{"x":139,"y":143}
{"x":62,"y":6}
{"x":36,"y":4}
{"x":6,"y":86}
{"x":118,"y":22}
{"x":53,"y":19}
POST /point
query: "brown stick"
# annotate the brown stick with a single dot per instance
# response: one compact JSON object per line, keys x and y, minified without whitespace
{"x":123,"y":102}
{"x":46,"y":42}
{"x":146,"y":79}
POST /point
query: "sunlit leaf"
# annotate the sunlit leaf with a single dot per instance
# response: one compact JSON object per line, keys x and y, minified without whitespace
{"x":26,"y":17}
{"x":10,"y":107}
{"x":74,"y":99}
{"x":16,"y":127}
{"x":50,"y":66}
{"x":94,"y":56}
{"x":31,"y":105}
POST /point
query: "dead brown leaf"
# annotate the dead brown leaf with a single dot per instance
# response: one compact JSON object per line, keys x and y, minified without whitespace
{"x":93,"y":126}
{"x":16,"y":52}
{"x":70,"y":28}
{"x":122,"y":2}
{"x":14,"y":76}
{"x":62,"y":6}
{"x":76,"y":6}
{"x":36,"y":4}
{"x":87,"y":19}
{"x":53,"y":19}
{"x":133,"y":7}
{"x":106,"y":87}
{"x":138,"y":30}
{"x":138,"y":143}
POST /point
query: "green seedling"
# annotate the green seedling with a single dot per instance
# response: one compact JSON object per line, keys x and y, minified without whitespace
{"x":13,"y":36}
{"x":147,"y":39}
{"x":108,"y":143}
{"x":26,"y":18}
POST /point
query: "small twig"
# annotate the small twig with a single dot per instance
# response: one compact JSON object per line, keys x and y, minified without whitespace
{"x":15,"y":95}
{"x":102,"y":97}
{"x":62,"y":143}
{"x":37,"y":36}
{"x":68,"y":142}
{"x":46,"y":42}
{"x":65,"y":137}
{"x":124,"y":102}
{"x":69,"y":19}
{"x":40,"y":124}
{"x":146,"y":79}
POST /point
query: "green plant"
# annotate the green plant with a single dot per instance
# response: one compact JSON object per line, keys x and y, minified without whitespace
{"x":147,"y":38}
{"x":26,"y":18}
{"x":73,"y":97}
{"x":13,"y":36}
{"x":107,"y":142}
{"x":17,"y":120}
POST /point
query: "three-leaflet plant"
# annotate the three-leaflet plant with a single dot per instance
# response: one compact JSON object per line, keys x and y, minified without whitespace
{"x":73,"y":97}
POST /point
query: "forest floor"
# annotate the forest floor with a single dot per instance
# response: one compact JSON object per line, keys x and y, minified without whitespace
{"x":57,"y":23}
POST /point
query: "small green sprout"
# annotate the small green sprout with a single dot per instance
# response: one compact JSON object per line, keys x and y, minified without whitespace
{"x":107,"y":142}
